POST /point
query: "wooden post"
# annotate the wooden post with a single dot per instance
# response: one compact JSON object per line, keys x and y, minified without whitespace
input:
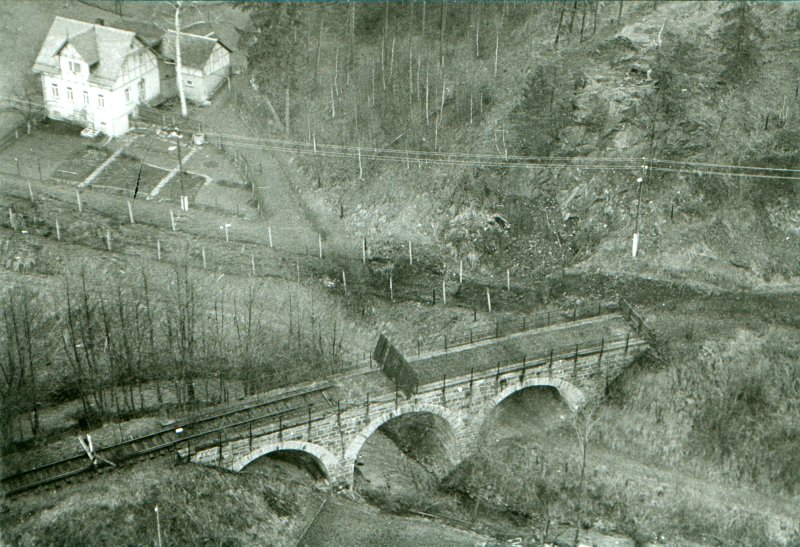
{"x":158,"y":248}
{"x":319,"y":239}
{"x":253,"y":264}
{"x":444,"y":292}
{"x":461,"y":271}
{"x":269,"y":231}
{"x":488,"y":300}
{"x":130,"y":211}
{"x":108,"y":239}
{"x":508,"y":280}
{"x":297,"y":265}
{"x":227,"y":240}
{"x":410,"y":254}
{"x":80,"y":205}
{"x":203,"y":250}
{"x":58,"y":231}
{"x":364,"y":251}
{"x":39,"y":164}
{"x":16,"y":160}
{"x":391,"y":288}
{"x":575,"y":363}
{"x":172,"y":220}
{"x":344,"y":281}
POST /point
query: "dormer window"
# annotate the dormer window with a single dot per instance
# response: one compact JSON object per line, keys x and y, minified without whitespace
{"x":75,"y":67}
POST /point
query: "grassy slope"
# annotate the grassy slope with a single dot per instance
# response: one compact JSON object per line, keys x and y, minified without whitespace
{"x":197,"y":506}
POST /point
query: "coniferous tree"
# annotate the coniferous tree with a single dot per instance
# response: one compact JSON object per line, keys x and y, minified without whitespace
{"x":741,"y":39}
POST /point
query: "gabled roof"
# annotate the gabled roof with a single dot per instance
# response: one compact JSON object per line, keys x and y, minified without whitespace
{"x":103,"y":48}
{"x":195,"y":50}
{"x":147,"y":32}
{"x":85,"y":43}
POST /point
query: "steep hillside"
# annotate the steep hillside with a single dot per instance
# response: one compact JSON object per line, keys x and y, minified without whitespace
{"x":671,"y":82}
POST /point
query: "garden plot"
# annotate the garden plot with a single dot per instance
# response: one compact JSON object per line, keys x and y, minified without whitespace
{"x":230,"y":197}
{"x":158,"y":151}
{"x":81,"y":164}
{"x":123,"y":173}
{"x":50,"y":145}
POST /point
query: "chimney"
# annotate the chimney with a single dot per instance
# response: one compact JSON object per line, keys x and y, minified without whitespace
{"x":100,"y":21}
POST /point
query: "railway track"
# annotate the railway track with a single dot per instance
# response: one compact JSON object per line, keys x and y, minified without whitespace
{"x":188,"y":433}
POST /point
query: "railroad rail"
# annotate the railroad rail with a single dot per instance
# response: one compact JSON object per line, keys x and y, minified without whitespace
{"x":178,"y":434}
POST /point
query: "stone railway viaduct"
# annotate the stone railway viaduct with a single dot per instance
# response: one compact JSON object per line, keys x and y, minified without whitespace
{"x":458,"y":406}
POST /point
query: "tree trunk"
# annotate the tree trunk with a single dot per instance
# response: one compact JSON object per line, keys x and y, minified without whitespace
{"x":178,"y":64}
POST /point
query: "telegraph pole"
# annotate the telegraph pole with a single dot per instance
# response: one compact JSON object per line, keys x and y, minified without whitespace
{"x":640,"y":180}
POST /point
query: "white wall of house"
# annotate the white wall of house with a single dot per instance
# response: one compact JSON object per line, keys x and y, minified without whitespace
{"x":217,"y":69}
{"x":70,"y":96}
{"x":194,"y":84}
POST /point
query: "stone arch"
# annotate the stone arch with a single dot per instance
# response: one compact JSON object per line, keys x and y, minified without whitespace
{"x":326,"y":460}
{"x":573,"y":396}
{"x":410,"y":408}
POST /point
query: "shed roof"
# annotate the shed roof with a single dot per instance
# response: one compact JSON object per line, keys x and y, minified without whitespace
{"x":195,"y":50}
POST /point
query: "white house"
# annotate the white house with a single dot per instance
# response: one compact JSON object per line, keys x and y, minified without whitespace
{"x":95,"y":75}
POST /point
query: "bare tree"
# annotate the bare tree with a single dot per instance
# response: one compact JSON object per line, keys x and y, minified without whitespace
{"x":583,"y":422}
{"x":178,"y":63}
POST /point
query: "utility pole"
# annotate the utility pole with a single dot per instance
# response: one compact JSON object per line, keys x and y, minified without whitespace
{"x":640,"y":180}
{"x":184,"y":197}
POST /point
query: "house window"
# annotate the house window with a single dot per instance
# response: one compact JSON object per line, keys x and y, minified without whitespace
{"x":189,"y":83}
{"x":86,"y":97}
{"x":127,"y":95}
{"x":70,"y":95}
{"x":54,"y":90}
{"x":75,"y":67}
{"x":101,"y":101}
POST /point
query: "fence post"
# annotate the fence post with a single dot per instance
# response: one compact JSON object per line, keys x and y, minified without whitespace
{"x":550,"y":366}
{"x":497,"y":329}
{"x":445,"y":343}
{"x":444,"y":386}
{"x":308,"y":434}
{"x":627,"y":340}
{"x":367,"y":416}
{"x":497,"y":377}
{"x":250,"y":436}
{"x":471,"y":374}
{"x":524,"y":366}
{"x":280,"y":427}
{"x":575,"y":363}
